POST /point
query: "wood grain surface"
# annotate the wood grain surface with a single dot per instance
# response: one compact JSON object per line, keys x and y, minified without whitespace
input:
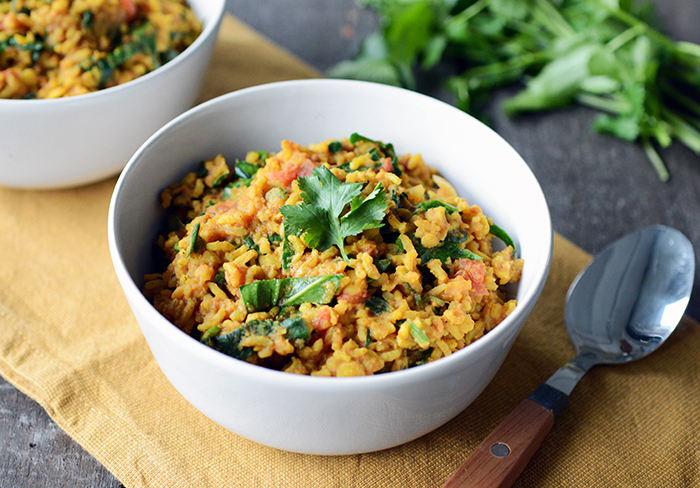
{"x":597,"y":187}
{"x":501,"y":457}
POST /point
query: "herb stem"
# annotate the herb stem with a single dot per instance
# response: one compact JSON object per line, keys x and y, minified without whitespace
{"x":689,"y":135}
{"x":550,"y":17}
{"x":602,"y":103}
{"x":504,"y":71}
{"x":688,"y":48}
{"x":632,"y":21}
{"x":625,"y":37}
{"x":471,"y":11}
{"x":655,"y":159}
{"x":687,"y":102}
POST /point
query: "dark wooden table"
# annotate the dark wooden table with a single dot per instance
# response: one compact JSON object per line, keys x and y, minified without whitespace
{"x":598,"y":189}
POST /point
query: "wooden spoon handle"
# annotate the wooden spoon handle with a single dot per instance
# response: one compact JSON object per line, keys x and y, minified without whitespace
{"x":501,"y":457}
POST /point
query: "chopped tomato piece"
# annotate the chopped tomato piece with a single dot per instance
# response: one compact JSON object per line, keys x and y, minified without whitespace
{"x":130,"y":8}
{"x":474,"y":271}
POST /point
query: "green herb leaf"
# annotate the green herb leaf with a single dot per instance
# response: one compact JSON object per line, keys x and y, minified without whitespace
{"x":296,"y":328}
{"x":423,"y":206}
{"x":383,"y":265}
{"x":245,"y":170}
{"x":220,"y":280}
{"x":418,"y":335}
{"x":417,"y":358}
{"x":556,"y":85}
{"x":450,"y":248}
{"x":87,"y":19}
{"x":334,"y":147}
{"x":319,"y":218}
{"x":250,"y":243}
{"x":262,"y":156}
{"x":373,"y":64}
{"x":230,"y":344}
{"x":377,"y":305}
{"x":194,"y":241}
{"x":502,"y":235}
{"x":211,"y":332}
{"x":221,"y":179}
{"x":410,"y":30}
{"x":287,"y":292}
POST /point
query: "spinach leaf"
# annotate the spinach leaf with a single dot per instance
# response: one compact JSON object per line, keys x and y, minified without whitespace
{"x":245,"y":170}
{"x":87,"y":19}
{"x":220,"y":180}
{"x":423,"y":206}
{"x":220,"y":280}
{"x":416,"y":358}
{"x":334,"y":147}
{"x":502,"y":235}
{"x":383,"y":265}
{"x":374,"y":155}
{"x":250,"y":244}
{"x":296,"y":328}
{"x":262,"y":156}
{"x":230,"y":344}
{"x":450,"y":248}
{"x":377,"y":305}
{"x":265,"y":294}
{"x":202,"y":170}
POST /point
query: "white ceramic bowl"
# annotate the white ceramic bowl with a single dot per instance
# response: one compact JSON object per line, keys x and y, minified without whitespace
{"x":71,"y":141}
{"x":311,"y":414}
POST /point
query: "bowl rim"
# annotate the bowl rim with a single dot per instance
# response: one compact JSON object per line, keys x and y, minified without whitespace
{"x":313,"y":383}
{"x":209,"y":29}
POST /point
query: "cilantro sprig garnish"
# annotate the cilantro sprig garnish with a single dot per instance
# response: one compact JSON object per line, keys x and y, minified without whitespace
{"x":323,"y":218}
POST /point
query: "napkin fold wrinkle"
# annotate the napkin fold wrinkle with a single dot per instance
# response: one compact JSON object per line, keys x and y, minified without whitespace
{"x":69,"y":341}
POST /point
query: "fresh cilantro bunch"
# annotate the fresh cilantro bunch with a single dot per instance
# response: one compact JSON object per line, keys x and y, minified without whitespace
{"x":322,"y":218}
{"x":604,"y":54}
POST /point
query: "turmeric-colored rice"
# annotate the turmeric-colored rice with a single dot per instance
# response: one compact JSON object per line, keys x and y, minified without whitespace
{"x":61,"y":48}
{"x":419,"y":283}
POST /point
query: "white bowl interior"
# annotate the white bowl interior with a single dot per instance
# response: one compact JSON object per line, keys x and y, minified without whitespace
{"x":479,"y":163}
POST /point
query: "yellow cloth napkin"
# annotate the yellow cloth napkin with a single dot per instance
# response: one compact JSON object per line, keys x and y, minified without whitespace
{"x":69,"y":341}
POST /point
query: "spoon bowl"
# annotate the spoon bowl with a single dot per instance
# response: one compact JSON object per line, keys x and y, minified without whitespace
{"x":632,"y":296}
{"x":621,"y":307}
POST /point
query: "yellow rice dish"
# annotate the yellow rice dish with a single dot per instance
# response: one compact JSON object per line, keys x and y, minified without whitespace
{"x":61,"y":48}
{"x":336,"y":259}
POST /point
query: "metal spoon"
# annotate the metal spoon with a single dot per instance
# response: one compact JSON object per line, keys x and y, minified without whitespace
{"x":620,"y":308}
